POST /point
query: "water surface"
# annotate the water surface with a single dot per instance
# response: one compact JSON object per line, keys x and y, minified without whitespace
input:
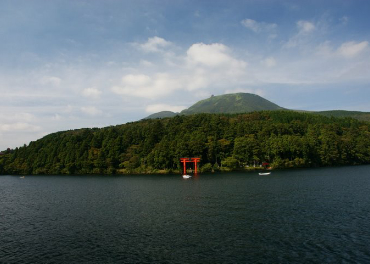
{"x":293,"y":216}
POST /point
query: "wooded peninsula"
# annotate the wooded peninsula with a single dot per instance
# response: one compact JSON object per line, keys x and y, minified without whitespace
{"x":283,"y":139}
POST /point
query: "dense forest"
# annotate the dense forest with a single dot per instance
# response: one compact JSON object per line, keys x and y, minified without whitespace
{"x":284,"y":139}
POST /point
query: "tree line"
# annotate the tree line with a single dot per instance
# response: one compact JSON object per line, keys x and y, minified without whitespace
{"x":284,"y":139}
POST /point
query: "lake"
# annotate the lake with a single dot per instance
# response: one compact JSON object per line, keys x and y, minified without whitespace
{"x":291,"y":216}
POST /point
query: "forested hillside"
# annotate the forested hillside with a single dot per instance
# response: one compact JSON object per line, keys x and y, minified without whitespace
{"x":362,"y":116}
{"x":284,"y":139}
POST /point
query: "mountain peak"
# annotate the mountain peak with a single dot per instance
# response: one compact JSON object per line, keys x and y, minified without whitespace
{"x":224,"y":104}
{"x":232,"y":103}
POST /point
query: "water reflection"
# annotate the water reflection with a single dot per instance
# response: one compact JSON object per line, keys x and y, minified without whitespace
{"x":296,"y":216}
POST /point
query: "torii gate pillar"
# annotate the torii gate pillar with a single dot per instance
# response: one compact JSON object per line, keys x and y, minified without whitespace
{"x":186,"y":160}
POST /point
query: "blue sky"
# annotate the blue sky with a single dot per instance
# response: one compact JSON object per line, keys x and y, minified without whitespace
{"x":72,"y":64}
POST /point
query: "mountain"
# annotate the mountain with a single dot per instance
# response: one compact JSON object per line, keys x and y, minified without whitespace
{"x":162,"y":114}
{"x":245,"y":102}
{"x":224,"y":104}
{"x":231,"y":104}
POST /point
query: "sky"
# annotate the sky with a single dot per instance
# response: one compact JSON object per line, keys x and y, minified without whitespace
{"x":69,"y":64}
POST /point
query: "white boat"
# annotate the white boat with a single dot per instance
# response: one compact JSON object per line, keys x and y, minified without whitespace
{"x":264,"y":173}
{"x":186,"y":176}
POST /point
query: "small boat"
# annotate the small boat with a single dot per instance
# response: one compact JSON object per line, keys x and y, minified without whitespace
{"x":186,"y":176}
{"x":22,"y":177}
{"x":264,"y":173}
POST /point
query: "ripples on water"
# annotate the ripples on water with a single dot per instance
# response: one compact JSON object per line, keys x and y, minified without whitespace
{"x":300,"y":216}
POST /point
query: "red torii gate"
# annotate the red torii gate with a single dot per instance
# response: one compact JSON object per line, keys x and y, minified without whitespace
{"x":186,"y":160}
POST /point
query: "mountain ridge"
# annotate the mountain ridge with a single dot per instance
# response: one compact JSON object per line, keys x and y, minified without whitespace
{"x":246,"y":102}
{"x":224,"y":104}
{"x":232,"y":104}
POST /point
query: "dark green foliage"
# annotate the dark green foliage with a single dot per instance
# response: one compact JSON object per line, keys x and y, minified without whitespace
{"x":362,"y":116}
{"x":284,"y":139}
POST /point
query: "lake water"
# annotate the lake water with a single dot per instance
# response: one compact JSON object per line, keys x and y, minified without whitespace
{"x":295,"y":216}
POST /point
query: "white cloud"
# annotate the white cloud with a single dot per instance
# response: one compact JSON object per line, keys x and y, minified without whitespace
{"x":269,"y":62}
{"x":305,"y":30}
{"x":324,"y":49}
{"x":197,"y":79}
{"x":18,"y":117}
{"x":155,"y":44}
{"x":68,"y":109}
{"x":213,"y":66}
{"x":91,"y":110}
{"x":201,"y":94}
{"x":352,"y":49}
{"x":56,"y":117}
{"x":163,"y":107}
{"x":258,"y":26}
{"x":349,"y":49}
{"x":91,"y":92}
{"x":305,"y":27}
{"x":203,"y":66}
{"x":165,"y":49}
{"x":344,"y":20}
{"x":324,"y":63}
{"x":111,"y":63}
{"x":212,"y":55}
{"x":19,"y":126}
{"x":51,"y":80}
{"x":144,"y":86}
{"x":136,"y":80}
{"x":146,"y":63}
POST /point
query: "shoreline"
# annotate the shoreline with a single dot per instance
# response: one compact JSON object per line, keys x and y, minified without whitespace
{"x":179,"y":172}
